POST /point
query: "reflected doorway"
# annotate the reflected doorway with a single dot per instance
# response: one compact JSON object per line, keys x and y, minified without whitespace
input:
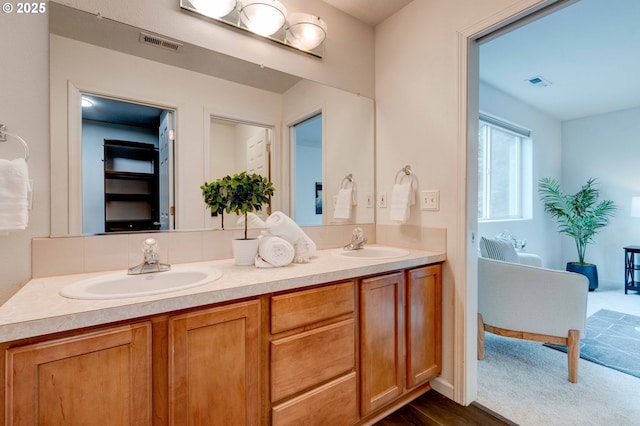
{"x":127,"y":166}
{"x":306,"y":166}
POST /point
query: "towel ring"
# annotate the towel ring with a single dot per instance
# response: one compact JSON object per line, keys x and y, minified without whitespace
{"x":407,"y":172}
{"x":22,"y":141}
{"x":346,"y":181}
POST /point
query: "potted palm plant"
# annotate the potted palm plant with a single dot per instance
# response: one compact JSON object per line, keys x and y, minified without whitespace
{"x":245,"y":193}
{"x":579,"y":216}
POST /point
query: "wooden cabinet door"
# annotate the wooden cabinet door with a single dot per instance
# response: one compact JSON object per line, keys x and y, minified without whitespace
{"x":423,"y":324}
{"x":381,"y":334}
{"x":103,"y":377}
{"x":214,"y":366}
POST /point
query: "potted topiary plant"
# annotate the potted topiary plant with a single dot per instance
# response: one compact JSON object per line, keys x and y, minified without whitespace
{"x":213,"y":198}
{"x":245,"y":193}
{"x":579,"y":216}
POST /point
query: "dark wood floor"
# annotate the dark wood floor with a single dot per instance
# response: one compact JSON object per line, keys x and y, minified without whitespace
{"x":433,"y":409}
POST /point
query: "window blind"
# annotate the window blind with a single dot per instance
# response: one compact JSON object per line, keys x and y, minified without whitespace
{"x":521,"y":131}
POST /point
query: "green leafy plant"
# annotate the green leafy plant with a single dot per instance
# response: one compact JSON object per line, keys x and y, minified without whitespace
{"x":579,"y":215}
{"x":214,"y":198}
{"x":246,"y":193}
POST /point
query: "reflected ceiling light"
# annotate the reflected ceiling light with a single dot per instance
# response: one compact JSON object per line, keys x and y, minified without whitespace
{"x":214,"y":8}
{"x":263,"y":17}
{"x":86,"y":102}
{"x":305,"y":31}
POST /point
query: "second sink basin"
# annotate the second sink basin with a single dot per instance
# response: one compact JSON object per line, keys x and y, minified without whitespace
{"x":374,"y":252}
{"x":119,"y":285}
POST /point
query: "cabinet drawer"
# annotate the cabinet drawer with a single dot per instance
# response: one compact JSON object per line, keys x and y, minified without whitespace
{"x":331,"y":404}
{"x":297,"y":309}
{"x":307,"y":359}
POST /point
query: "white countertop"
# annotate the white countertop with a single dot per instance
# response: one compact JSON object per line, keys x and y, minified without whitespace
{"x":38,"y":309}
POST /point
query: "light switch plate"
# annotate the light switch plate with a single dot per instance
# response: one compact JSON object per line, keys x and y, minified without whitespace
{"x":369,"y":200}
{"x":382,"y":199}
{"x":430,"y":200}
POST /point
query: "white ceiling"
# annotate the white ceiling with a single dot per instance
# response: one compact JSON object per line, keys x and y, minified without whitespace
{"x":370,"y":12}
{"x":589,"y":51}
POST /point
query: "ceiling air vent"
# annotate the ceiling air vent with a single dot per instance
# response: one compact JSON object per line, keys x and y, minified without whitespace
{"x":539,"y":81}
{"x":162,"y":42}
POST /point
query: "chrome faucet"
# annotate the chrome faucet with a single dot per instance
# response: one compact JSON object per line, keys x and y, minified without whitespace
{"x":357,"y":240}
{"x":151,"y":262}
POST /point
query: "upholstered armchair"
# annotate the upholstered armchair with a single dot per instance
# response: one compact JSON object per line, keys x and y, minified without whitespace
{"x":532,"y":303}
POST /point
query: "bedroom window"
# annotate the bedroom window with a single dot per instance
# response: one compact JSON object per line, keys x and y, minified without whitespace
{"x":502,"y":170}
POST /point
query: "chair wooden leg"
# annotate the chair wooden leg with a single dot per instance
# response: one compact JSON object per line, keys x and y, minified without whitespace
{"x":573,"y":353}
{"x":480,"y":337}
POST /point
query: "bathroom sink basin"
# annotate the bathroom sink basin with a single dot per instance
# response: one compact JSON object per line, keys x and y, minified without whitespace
{"x":374,"y":252}
{"x":119,"y":285}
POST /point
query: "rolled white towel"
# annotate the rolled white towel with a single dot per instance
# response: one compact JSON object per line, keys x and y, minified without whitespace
{"x":283,"y":226}
{"x":274,"y":250}
{"x":253,"y":221}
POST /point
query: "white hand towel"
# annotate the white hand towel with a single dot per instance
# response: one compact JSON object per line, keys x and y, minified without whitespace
{"x":275,"y":251}
{"x":283,"y":226}
{"x":344,"y":200}
{"x":14,"y":190}
{"x":400,"y":201}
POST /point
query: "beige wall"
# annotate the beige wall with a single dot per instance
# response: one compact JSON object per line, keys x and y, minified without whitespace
{"x":418,"y":123}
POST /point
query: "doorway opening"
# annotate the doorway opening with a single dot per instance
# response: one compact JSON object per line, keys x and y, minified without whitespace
{"x":306,"y":166}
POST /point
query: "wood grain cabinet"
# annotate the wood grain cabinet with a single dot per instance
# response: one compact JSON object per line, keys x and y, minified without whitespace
{"x":214,"y":366}
{"x":400,"y":333}
{"x":338,"y":354}
{"x":313,"y":357}
{"x":102,"y":376}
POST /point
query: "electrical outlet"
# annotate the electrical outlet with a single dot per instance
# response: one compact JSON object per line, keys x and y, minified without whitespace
{"x":369,"y":200}
{"x":382,"y":199}
{"x":430,"y":200}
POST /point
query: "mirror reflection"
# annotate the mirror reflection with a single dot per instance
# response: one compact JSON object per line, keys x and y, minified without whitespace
{"x":204,"y":91}
{"x":306,"y":166}
{"x":126,"y":148}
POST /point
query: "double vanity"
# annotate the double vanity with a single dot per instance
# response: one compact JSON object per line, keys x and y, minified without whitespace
{"x":342,"y":340}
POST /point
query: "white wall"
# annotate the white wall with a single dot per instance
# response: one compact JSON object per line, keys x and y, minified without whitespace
{"x":539,"y":231}
{"x":605,"y":147}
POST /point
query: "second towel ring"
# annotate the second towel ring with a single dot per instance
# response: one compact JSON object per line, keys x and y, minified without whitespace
{"x":19,"y":139}
{"x":405,"y":171}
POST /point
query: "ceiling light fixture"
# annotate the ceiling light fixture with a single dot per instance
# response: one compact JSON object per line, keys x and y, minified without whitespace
{"x":266,"y":18}
{"x":214,"y":8}
{"x":305,"y":31}
{"x":263,"y":17}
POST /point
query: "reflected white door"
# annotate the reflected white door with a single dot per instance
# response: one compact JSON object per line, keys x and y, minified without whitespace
{"x":165,"y":171}
{"x":257,"y":154}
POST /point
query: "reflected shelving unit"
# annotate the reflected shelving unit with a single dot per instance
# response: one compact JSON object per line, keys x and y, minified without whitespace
{"x":130,"y":186}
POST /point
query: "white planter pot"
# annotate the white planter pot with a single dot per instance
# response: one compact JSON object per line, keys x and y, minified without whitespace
{"x":245,"y":251}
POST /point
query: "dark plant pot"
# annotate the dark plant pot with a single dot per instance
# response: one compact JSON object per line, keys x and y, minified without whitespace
{"x":589,"y":270}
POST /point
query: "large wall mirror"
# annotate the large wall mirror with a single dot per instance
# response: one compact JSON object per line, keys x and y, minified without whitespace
{"x":222,"y":112}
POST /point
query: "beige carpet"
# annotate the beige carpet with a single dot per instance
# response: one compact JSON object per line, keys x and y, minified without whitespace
{"x":527,"y":383}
